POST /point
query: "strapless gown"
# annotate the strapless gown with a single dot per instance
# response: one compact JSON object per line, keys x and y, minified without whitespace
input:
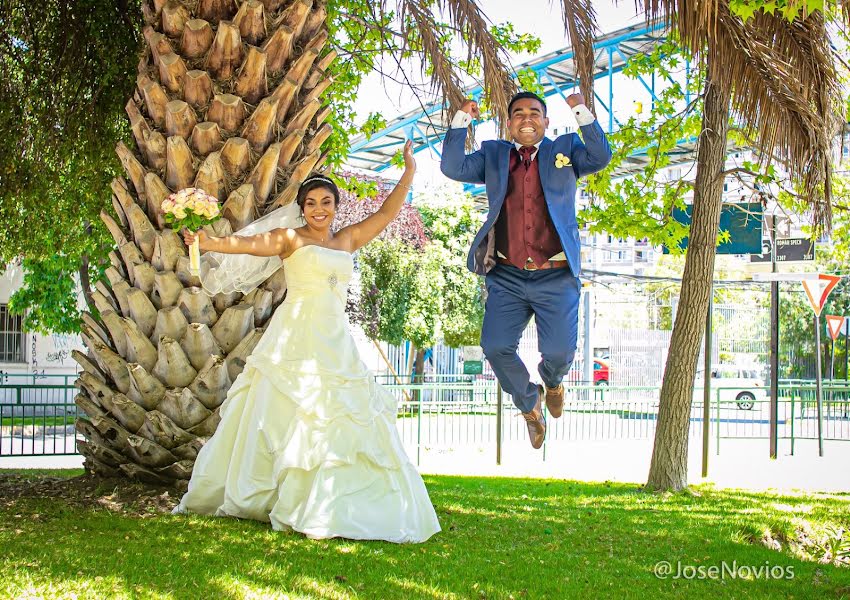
{"x":307,"y":438}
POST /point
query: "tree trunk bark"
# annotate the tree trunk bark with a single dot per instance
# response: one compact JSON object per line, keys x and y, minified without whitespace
{"x":419,"y":370}
{"x":669,"y":467}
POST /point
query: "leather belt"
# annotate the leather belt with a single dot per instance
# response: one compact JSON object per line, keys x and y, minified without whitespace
{"x":530,"y":266}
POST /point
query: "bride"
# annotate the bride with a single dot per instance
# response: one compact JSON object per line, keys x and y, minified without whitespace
{"x":307,"y":439}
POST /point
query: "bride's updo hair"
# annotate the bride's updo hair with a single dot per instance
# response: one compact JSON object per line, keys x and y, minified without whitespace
{"x":313,"y":182}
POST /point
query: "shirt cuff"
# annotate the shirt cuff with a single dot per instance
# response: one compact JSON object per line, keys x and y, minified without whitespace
{"x":583,"y":115}
{"x":461,"y":120}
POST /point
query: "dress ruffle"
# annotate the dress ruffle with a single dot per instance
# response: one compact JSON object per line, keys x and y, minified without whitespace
{"x":307,"y":439}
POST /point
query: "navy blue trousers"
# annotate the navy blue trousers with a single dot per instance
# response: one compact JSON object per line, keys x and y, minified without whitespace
{"x":513,"y":296}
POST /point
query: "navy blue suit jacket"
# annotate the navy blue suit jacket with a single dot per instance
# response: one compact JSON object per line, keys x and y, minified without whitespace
{"x":490,"y":166}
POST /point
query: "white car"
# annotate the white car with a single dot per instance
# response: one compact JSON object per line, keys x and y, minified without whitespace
{"x":742,"y":385}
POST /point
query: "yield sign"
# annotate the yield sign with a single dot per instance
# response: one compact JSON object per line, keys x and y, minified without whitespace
{"x":818,"y":290}
{"x":835,"y":325}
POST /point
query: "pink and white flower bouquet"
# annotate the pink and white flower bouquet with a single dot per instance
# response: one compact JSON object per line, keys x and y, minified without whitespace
{"x":191,"y":208}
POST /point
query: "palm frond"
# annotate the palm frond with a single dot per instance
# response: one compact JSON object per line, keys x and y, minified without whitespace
{"x":782,"y":80}
{"x":466,"y":16}
{"x":580,"y":25}
{"x":844,"y":7}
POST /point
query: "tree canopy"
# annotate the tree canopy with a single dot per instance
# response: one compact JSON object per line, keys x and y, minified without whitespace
{"x":423,"y":294}
{"x":68,"y":68}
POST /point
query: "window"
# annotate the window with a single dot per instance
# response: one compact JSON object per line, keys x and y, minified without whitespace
{"x":11,"y":336}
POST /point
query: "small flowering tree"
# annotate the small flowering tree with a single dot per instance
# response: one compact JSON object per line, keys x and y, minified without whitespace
{"x":418,"y":291}
{"x":361,"y":196}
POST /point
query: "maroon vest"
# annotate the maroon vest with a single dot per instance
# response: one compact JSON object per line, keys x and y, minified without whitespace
{"x":524,"y":228}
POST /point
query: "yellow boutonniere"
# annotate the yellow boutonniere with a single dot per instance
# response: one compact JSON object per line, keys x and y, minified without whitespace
{"x":562,"y":161}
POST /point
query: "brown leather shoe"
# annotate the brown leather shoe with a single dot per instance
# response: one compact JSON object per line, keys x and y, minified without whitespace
{"x":555,"y":400}
{"x":535,"y":422}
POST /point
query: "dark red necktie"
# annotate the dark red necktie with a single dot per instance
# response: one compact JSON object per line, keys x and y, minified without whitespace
{"x":525,"y":153}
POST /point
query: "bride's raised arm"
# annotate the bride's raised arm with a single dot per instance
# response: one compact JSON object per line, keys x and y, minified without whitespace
{"x":270,"y":243}
{"x":366,"y":230}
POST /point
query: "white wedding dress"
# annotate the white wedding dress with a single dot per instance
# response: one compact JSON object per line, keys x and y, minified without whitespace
{"x":307,"y":439}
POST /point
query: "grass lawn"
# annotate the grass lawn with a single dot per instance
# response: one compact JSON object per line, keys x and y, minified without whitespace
{"x":65,"y":536}
{"x":38,"y":421}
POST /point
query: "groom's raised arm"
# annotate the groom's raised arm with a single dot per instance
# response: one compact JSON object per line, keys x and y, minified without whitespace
{"x":455,"y":163}
{"x":594,"y":153}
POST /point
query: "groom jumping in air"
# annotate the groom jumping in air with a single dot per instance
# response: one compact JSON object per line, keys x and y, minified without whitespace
{"x":528,"y":248}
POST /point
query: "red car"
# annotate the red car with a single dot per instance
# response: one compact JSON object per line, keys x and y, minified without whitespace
{"x":600,"y":372}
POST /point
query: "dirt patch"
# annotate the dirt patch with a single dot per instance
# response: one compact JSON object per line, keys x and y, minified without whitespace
{"x":92,"y":492}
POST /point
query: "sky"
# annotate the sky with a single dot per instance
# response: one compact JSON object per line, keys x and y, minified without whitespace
{"x":543,"y":19}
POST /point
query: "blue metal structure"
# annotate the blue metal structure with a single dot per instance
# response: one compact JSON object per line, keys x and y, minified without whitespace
{"x":556,"y":74}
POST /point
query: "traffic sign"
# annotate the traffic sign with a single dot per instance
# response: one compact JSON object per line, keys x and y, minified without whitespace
{"x":835,"y":326}
{"x":473,"y":367}
{"x":787,"y":250}
{"x":817,"y":290}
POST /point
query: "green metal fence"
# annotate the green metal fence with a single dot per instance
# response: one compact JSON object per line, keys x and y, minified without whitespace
{"x":465,"y":411}
{"x":37,"y":420}
{"x":37,"y":379}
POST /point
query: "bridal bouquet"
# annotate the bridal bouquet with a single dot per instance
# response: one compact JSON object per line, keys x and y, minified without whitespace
{"x":191,"y":208}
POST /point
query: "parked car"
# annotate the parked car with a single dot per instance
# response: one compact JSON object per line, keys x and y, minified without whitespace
{"x":742,"y":385}
{"x":601,"y":372}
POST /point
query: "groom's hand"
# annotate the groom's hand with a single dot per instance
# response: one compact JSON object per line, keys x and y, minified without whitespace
{"x":470,"y":107}
{"x":575,"y":99}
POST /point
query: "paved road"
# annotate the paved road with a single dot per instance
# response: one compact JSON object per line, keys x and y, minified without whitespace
{"x":741,"y":463}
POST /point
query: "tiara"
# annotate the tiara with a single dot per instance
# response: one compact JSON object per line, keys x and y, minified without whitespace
{"x":316,"y":178}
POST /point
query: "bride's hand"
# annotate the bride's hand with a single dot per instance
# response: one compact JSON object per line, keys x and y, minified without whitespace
{"x":409,"y":161}
{"x":189,"y":237}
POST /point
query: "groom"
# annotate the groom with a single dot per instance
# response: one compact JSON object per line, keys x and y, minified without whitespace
{"x":528,"y":248}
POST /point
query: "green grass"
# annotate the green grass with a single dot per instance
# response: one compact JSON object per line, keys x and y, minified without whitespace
{"x":502,"y":538}
{"x":38,"y":421}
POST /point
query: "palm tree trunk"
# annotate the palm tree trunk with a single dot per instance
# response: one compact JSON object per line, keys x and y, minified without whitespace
{"x":228,"y":99}
{"x":669,"y":467}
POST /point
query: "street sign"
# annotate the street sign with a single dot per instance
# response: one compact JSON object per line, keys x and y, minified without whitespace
{"x":473,"y":367}
{"x":473,"y":360}
{"x":835,"y":326}
{"x":787,"y":250}
{"x":742,"y":221}
{"x":782,"y":223}
{"x":817,"y":290}
{"x":472,"y":353}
